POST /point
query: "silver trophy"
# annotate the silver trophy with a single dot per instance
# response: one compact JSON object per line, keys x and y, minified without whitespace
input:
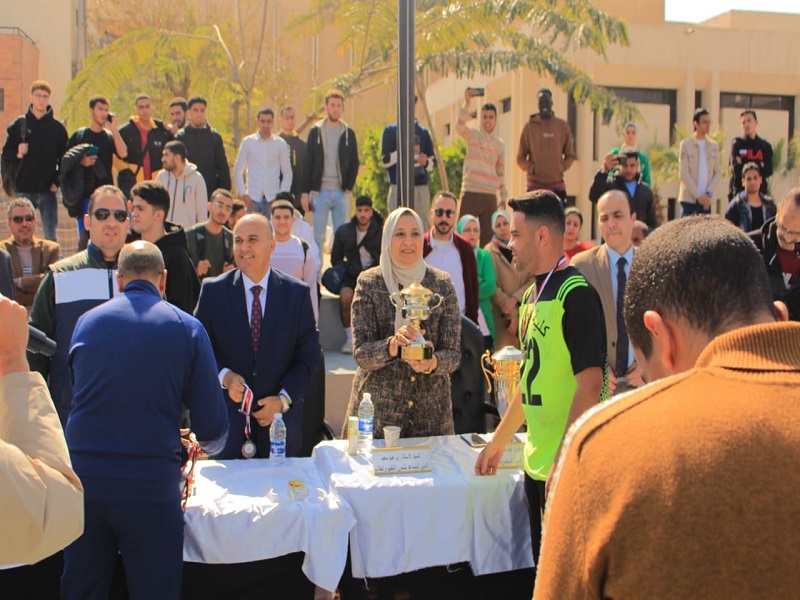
{"x":416,"y":303}
{"x":504,"y":368}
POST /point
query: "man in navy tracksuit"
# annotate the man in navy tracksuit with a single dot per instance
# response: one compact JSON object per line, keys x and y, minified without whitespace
{"x":136,"y":361}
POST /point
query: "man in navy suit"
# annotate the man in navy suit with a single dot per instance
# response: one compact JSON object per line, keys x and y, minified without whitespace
{"x":263,"y":331}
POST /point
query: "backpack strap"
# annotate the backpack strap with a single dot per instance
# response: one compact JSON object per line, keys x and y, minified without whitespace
{"x":200,"y":243}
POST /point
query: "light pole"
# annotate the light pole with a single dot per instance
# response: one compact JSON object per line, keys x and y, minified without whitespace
{"x":405,"y":102}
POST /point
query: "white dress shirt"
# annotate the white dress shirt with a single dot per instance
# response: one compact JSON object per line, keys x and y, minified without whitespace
{"x":269,"y":167}
{"x":613,"y":257}
{"x":445,"y":256}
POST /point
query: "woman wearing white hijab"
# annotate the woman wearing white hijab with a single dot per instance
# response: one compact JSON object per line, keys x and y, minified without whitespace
{"x":414,"y":395}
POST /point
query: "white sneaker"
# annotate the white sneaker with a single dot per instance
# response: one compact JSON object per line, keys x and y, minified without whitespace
{"x":348,"y":347}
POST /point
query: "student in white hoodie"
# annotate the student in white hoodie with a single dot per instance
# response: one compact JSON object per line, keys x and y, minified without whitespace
{"x":187,"y":188}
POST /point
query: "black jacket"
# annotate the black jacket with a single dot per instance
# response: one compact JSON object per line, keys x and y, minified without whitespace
{"x":183,"y":286}
{"x":315,"y":159}
{"x":47,"y":141}
{"x":205,"y":149}
{"x":642,"y":200}
{"x":345,"y":244}
{"x":77,"y":181}
{"x":766,"y":240}
{"x":757,"y":150}
{"x":297,"y":154}
{"x":157,"y":138}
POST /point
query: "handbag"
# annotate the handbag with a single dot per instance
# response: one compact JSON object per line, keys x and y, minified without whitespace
{"x":333,"y":278}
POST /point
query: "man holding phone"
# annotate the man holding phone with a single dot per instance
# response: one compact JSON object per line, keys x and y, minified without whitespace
{"x":484,"y":164}
{"x":103,"y":136}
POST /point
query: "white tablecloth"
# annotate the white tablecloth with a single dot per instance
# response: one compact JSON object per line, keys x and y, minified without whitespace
{"x":242,"y":512}
{"x":410,"y":522}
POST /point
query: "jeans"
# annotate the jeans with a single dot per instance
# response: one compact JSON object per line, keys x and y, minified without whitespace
{"x":335,"y":202}
{"x":48,"y":208}
{"x":693,"y":208}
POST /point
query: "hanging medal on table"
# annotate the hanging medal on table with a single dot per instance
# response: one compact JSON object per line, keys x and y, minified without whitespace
{"x":249,"y":446}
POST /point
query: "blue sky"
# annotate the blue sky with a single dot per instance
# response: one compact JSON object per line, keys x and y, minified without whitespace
{"x":692,"y":11}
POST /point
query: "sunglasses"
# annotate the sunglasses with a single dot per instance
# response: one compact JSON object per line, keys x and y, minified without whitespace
{"x":101,"y":214}
{"x":27,"y":218}
{"x":449,"y":213}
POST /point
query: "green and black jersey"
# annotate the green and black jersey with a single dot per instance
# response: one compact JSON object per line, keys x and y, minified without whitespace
{"x":561,"y":334}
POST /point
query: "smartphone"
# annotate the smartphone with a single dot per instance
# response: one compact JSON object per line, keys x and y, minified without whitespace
{"x":110,"y":118}
{"x":478,"y":91}
{"x":474,"y":440}
{"x":92,"y":151}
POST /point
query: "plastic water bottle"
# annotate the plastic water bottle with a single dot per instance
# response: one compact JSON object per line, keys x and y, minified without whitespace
{"x":366,"y":414}
{"x":277,"y":437}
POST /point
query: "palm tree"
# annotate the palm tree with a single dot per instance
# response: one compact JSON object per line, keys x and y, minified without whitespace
{"x":466,"y":38}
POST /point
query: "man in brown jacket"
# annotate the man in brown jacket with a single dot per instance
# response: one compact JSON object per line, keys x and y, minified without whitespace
{"x":687,"y":487}
{"x":546,"y":149}
{"x":30,"y":256}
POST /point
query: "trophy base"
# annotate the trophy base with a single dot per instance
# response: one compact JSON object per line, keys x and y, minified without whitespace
{"x":416,"y":352}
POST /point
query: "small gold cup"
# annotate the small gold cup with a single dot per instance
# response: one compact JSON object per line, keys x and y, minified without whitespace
{"x":416,"y":303}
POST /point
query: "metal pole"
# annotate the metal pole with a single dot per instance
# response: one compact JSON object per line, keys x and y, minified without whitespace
{"x":405,"y":102}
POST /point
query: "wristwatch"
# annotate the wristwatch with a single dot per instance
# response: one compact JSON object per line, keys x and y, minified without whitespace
{"x":286,"y":402}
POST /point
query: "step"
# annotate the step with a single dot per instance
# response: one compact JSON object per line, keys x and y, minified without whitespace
{"x":331,"y":331}
{"x":339,"y":372}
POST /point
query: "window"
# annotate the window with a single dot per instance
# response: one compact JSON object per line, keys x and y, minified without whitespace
{"x":506,"y":103}
{"x":652,"y":96}
{"x":759,"y":102}
{"x":447,"y":129}
{"x":698,"y":99}
{"x":2,"y":99}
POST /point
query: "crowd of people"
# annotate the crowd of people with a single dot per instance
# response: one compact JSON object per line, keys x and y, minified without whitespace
{"x":237,"y":340}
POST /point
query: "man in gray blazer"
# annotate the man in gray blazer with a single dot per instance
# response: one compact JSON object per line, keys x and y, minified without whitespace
{"x":606,"y":267}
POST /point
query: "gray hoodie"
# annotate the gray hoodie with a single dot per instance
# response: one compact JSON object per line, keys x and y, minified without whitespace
{"x":188,"y":197}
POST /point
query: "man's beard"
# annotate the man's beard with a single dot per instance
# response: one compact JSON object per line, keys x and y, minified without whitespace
{"x":444,"y":228}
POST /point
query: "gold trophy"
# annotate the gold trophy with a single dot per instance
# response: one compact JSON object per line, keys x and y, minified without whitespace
{"x":416,"y":305}
{"x":505,"y":369}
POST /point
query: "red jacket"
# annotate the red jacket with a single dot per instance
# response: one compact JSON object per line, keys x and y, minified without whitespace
{"x":470,"y":269}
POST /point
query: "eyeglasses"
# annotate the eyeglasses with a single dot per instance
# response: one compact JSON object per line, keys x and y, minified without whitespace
{"x":101,"y":214}
{"x":222,"y":206}
{"x":27,"y":218}
{"x":449,"y":213}
{"x":786,"y":232}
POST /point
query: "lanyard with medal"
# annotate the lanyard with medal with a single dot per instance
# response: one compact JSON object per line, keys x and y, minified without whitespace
{"x":249,"y":446}
{"x":539,"y":291}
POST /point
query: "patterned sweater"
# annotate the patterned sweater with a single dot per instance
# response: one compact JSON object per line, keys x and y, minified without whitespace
{"x":484,"y":163}
{"x":418,"y":403}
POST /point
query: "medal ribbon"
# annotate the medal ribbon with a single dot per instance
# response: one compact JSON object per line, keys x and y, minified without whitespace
{"x":539,"y":290}
{"x":247,"y":404}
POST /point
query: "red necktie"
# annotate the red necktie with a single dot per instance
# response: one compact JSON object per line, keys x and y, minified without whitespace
{"x":256,"y":318}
